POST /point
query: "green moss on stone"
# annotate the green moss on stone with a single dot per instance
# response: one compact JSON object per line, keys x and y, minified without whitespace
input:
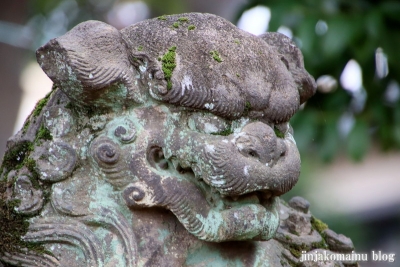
{"x":247,"y":107}
{"x":225,"y":132}
{"x":175,"y":25}
{"x":34,"y":177}
{"x":215,"y":55}
{"x":41,"y":104}
{"x":15,"y":156}
{"x":140,"y":48}
{"x":89,"y":111}
{"x":163,"y":17}
{"x":26,"y":125}
{"x":183,"y":19}
{"x":69,"y":106}
{"x":13,"y":226}
{"x":322,"y":244}
{"x":39,"y":107}
{"x":44,"y":134}
{"x":168,"y":65}
{"x":279,"y":133}
{"x":318,"y":225}
{"x":297,"y":249}
{"x":191,"y":27}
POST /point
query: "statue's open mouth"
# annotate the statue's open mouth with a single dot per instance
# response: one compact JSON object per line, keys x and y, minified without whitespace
{"x":226,"y":188}
{"x":201,"y":209}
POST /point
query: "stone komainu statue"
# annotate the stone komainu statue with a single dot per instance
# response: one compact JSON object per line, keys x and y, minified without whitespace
{"x":164,"y":144}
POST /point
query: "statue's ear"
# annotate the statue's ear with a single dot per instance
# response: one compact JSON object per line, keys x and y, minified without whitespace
{"x":293,"y":59}
{"x":285,"y":46}
{"x":90,"y":64}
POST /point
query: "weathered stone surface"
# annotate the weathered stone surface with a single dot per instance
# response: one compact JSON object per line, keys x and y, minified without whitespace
{"x":300,"y":204}
{"x":338,"y":242}
{"x":164,"y":144}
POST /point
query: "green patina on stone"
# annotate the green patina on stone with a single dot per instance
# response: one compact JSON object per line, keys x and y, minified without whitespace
{"x":204,"y":256}
{"x":168,"y":65}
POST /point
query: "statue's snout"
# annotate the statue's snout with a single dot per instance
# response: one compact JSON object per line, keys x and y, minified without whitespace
{"x":259,"y":141}
{"x":254,"y":159}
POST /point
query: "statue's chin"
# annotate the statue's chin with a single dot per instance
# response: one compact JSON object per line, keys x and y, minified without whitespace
{"x":247,"y":221}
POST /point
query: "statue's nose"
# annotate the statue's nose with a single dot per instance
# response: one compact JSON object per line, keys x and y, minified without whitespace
{"x":258,"y":140}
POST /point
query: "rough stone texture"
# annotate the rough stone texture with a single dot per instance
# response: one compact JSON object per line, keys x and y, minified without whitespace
{"x":338,"y":242}
{"x":300,"y":204}
{"x":164,"y":144}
